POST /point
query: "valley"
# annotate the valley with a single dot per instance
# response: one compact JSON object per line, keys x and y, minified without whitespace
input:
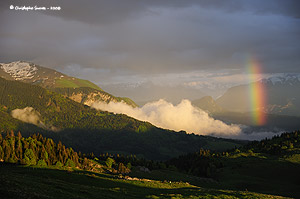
{"x":149,"y":99}
{"x":161,"y":163}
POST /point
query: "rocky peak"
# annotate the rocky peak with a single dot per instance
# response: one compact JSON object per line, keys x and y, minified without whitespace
{"x":20,"y":70}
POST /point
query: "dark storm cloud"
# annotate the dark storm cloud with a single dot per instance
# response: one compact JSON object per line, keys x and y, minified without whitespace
{"x":146,"y":37}
{"x":106,"y":11}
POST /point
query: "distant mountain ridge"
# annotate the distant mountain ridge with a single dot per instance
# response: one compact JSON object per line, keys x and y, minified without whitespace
{"x":279,"y":121}
{"x":150,"y":91}
{"x":53,"y":80}
{"x":288,"y":78}
{"x":282,"y":91}
{"x":207,"y":104}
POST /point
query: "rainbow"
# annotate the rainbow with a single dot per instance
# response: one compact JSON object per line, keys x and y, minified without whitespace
{"x":257,"y":93}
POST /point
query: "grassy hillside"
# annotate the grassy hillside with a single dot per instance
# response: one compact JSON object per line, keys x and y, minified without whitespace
{"x":89,"y":130}
{"x":252,"y":171}
{"x":30,"y":182}
{"x":262,"y":173}
{"x":75,"y":83}
{"x":270,"y":166}
{"x":54,"y":171}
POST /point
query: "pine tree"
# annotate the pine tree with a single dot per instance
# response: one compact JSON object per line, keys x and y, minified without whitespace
{"x":19,"y":135}
{"x":29,"y":157}
{"x":1,"y":154}
{"x":85,"y":163}
{"x":19,"y":150}
{"x":7,"y":151}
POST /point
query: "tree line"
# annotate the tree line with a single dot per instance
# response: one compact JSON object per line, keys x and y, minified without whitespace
{"x":36,"y":150}
{"x":278,"y":145}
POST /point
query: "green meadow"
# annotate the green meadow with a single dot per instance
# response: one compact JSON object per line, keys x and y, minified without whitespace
{"x":33,"y":182}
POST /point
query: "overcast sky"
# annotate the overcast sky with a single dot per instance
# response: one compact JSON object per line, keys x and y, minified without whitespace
{"x":140,"y":40}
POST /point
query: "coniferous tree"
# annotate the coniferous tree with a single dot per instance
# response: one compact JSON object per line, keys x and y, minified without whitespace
{"x":36,"y":150}
{"x":29,"y":157}
{"x":19,"y":150}
{"x":7,"y":151}
{"x":1,"y":154}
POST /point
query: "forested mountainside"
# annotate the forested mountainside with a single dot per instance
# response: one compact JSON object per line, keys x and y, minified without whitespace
{"x":90,"y":130}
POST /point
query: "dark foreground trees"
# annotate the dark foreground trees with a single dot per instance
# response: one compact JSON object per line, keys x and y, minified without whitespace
{"x":36,"y":150}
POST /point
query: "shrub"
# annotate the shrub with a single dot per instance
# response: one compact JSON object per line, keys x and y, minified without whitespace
{"x":41,"y":163}
{"x":70,"y":163}
{"x":59,"y":164}
{"x":109,"y":162}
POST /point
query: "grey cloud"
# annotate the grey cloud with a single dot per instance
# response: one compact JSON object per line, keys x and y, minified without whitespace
{"x":152,"y":37}
{"x":104,"y":11}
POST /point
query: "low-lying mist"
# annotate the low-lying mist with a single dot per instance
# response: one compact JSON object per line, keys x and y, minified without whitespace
{"x":258,"y":133}
{"x":183,"y":116}
{"x":30,"y":115}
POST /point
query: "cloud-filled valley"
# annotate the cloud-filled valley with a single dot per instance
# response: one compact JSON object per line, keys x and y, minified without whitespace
{"x":182,"y":116}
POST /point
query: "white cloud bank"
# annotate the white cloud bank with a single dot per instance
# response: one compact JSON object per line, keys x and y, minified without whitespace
{"x":182,"y":116}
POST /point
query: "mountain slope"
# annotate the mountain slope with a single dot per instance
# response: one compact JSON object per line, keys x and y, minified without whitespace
{"x":282,"y":92}
{"x":268,"y":166}
{"x":38,"y":75}
{"x":286,"y":122}
{"x":7,"y":122}
{"x":58,"y":82}
{"x":235,"y":99}
{"x":59,"y":111}
{"x":150,"y":91}
{"x":89,"y":130}
{"x":208,"y":104}
{"x":88,"y":96}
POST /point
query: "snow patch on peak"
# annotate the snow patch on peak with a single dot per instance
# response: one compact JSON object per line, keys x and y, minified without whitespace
{"x":285,"y":78}
{"x":20,"y":70}
{"x":275,"y":80}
